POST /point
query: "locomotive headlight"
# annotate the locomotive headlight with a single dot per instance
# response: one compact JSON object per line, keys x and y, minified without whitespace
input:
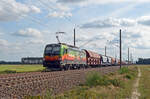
{"x":43,"y":59}
{"x":60,"y":58}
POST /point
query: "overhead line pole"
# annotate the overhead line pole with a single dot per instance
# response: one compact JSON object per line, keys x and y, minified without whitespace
{"x":131,"y":59}
{"x":128,"y":55}
{"x":74,"y":37}
{"x":120,"y":50}
{"x":105,"y":51}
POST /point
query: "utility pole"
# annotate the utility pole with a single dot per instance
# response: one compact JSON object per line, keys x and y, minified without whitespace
{"x":105,"y":51}
{"x":131,"y":59}
{"x":120,"y":50}
{"x":74,"y":37}
{"x":128,"y":56}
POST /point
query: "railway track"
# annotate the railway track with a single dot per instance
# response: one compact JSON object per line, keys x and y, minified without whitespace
{"x":36,"y":83}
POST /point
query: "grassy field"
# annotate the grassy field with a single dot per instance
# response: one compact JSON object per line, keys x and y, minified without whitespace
{"x":144,"y":86}
{"x":118,"y":85}
{"x":20,"y":68}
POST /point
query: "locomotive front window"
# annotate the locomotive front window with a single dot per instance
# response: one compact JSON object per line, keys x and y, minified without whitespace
{"x":52,"y":50}
{"x":49,"y":48}
{"x":56,"y":50}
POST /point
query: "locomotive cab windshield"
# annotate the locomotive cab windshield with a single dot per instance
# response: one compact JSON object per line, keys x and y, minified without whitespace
{"x":53,"y":49}
{"x":52,"y":55}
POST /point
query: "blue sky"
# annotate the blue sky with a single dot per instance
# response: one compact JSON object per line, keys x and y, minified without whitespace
{"x":26,"y":26}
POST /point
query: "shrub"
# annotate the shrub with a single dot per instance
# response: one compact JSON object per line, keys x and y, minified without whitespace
{"x":112,"y":73}
{"x":128,"y":76}
{"x":94,"y":79}
{"x":123,"y":70}
{"x":47,"y":95}
{"x":117,"y":83}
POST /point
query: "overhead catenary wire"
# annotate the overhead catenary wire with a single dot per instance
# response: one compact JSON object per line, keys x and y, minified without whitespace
{"x":75,"y":26}
{"x":49,"y":7}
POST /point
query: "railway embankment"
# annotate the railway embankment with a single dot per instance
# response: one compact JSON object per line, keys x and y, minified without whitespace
{"x":114,"y":85}
{"x":19,"y":85}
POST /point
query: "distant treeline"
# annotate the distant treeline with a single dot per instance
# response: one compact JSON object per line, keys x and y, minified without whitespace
{"x":4,"y":62}
{"x":143,"y":61}
{"x":15,"y":63}
{"x":25,"y":60}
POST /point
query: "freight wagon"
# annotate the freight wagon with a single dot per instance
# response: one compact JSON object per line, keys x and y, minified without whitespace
{"x":92,"y":59}
{"x":104,"y":61}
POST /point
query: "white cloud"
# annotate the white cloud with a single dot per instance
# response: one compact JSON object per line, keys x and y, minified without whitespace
{"x":35,"y":41}
{"x":60,"y":11}
{"x":62,"y":7}
{"x":70,"y":1}
{"x":29,"y":32}
{"x":3,"y":43}
{"x":117,"y":22}
{"x":144,"y":20}
{"x":127,"y":22}
{"x":1,"y":33}
{"x":59,"y":14}
{"x":91,"y":2}
{"x":109,"y":22}
{"x":34,"y":9}
{"x":53,"y":8}
{"x":11,"y":10}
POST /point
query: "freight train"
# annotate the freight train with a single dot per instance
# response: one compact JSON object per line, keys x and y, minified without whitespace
{"x":62,"y":56}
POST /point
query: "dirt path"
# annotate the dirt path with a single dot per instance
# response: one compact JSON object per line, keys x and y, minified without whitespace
{"x":135,"y":93}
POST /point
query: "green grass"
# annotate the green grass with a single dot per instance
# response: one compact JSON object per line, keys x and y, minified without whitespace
{"x":144,"y":85}
{"x":117,"y":83}
{"x":123,"y":70}
{"x":95,"y":79}
{"x":129,"y":80}
{"x":20,"y":68}
{"x":48,"y":95}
